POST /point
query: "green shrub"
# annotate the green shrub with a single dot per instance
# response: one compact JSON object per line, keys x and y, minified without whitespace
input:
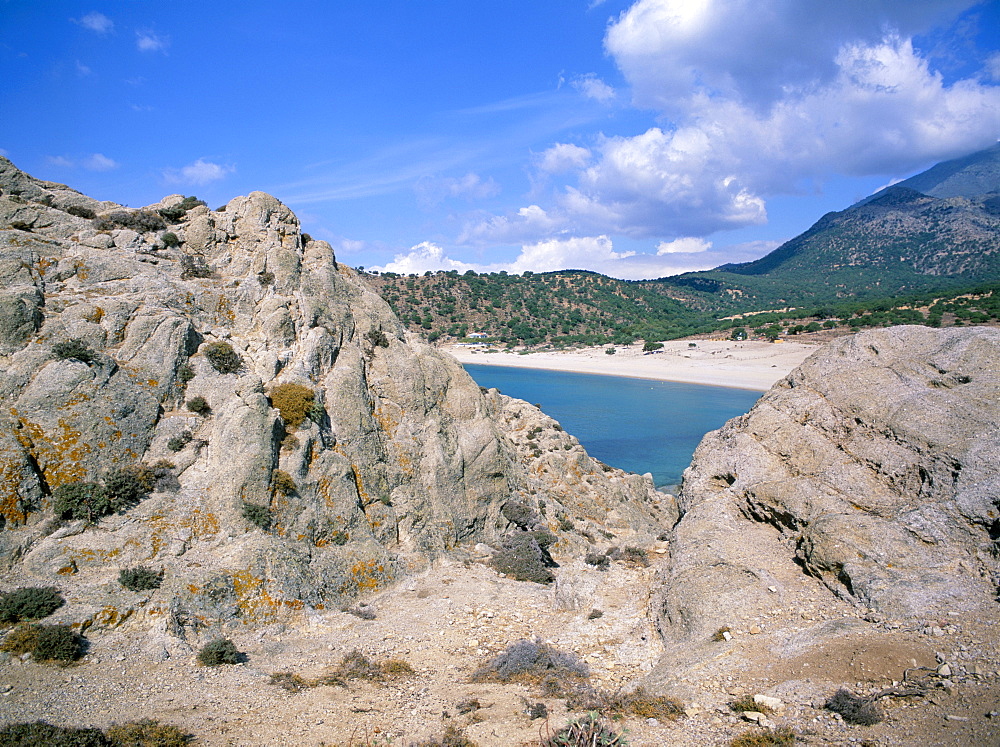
{"x":29,"y":603}
{"x":265,"y":277}
{"x":521,"y":557}
{"x":81,"y":212}
{"x":74,"y":349}
{"x":170,"y":239}
{"x":377,"y":338}
{"x":598,"y":560}
{"x":126,"y":486}
{"x":179,"y":442}
{"x":185,"y":374}
{"x":258,"y":515}
{"x":140,"y":578}
{"x":56,"y":643}
{"x":294,"y":402}
{"x":138,"y":220}
{"x":282,"y":482}
{"x":520,"y":514}
{"x":219,"y":651}
{"x":80,"y":500}
{"x":147,"y":733}
{"x":223,"y":358}
{"x":42,"y":734}
{"x":199,"y":406}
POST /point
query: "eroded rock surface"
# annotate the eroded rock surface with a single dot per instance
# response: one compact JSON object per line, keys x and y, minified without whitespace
{"x":401,"y":459}
{"x":869,"y":473}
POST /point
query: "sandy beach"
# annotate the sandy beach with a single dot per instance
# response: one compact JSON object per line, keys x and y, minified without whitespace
{"x":743,"y":365}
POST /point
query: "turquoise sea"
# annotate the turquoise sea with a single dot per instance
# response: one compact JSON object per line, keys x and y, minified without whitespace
{"x":634,"y":424}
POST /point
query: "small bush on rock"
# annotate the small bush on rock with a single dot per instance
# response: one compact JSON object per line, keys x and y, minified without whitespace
{"x":137,"y":220}
{"x":257,"y":515}
{"x":29,"y":603}
{"x":194,"y":267}
{"x":290,"y":681}
{"x":43,"y":734}
{"x":219,"y":651}
{"x":282,"y":483}
{"x":55,"y":643}
{"x":377,"y":338}
{"x":140,"y":578}
{"x":74,"y":349}
{"x":81,"y":212}
{"x":520,"y":514}
{"x":199,"y":406}
{"x":126,"y":486}
{"x":223,"y":358}
{"x":294,"y":402}
{"x":598,"y":560}
{"x":170,"y":239}
{"x":179,"y":442}
{"x":80,"y":500}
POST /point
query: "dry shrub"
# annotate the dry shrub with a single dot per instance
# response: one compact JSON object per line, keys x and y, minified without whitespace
{"x":538,"y":663}
{"x":782,"y":736}
{"x":42,"y":734}
{"x":294,"y":402}
{"x":453,"y":737}
{"x":282,"y":482}
{"x":854,"y":709}
{"x":522,"y":557}
{"x":356,"y":666}
{"x":50,"y":643}
{"x":638,"y":702}
{"x":147,"y":733}
{"x":290,"y":681}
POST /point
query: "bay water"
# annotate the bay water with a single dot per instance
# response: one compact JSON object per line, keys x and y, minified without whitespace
{"x":634,"y":424}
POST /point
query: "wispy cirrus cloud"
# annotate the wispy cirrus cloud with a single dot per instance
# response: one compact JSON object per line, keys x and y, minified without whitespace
{"x":93,"y":162}
{"x":148,"y":41}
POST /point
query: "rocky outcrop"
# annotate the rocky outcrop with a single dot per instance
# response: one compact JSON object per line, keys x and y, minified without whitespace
{"x":401,"y":458}
{"x":869,"y":474}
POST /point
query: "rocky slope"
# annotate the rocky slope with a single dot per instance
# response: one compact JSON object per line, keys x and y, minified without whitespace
{"x":402,"y":458}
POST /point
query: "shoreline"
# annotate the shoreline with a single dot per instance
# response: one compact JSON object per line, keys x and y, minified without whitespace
{"x":747,"y":364}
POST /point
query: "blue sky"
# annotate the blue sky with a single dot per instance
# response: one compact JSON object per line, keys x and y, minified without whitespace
{"x":635,"y":138}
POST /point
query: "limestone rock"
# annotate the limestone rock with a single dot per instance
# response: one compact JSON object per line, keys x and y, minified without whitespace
{"x":401,"y":459}
{"x":871,"y":469}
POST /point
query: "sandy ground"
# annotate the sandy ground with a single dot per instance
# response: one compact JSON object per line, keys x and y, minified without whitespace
{"x":743,"y":365}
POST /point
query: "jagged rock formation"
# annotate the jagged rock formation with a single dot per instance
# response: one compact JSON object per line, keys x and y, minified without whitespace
{"x":871,"y":470}
{"x":402,"y":457}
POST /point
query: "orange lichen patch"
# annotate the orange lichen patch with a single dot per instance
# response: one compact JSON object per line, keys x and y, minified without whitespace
{"x":69,"y":569}
{"x":44,"y":263}
{"x":11,"y":507}
{"x":386,"y":421}
{"x":224,"y":309}
{"x":193,"y":588}
{"x":94,"y":316}
{"x":254,"y":600}
{"x":60,"y":456}
{"x":201,"y":523}
{"x":323,"y":486}
{"x":366,"y":575}
{"x":362,"y":493}
{"x":81,"y":269}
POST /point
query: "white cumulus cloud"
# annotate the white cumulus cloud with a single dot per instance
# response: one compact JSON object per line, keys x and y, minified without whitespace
{"x":563,"y":157}
{"x":594,"y":88}
{"x":685,"y":245}
{"x":97,"y":22}
{"x":200,"y":172}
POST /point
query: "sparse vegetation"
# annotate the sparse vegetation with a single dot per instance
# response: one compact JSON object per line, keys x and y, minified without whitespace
{"x":588,"y":731}
{"x":176,"y":213}
{"x":44,"y":734}
{"x":29,"y":603}
{"x":521,"y":557}
{"x":520,"y":514}
{"x":81,"y":212}
{"x":50,"y":643}
{"x":122,"y":487}
{"x":377,"y":338}
{"x":138,"y":220}
{"x":74,"y":349}
{"x":194,"y":267}
{"x":140,"y":578}
{"x":185,"y":374}
{"x":363,"y":611}
{"x":199,"y":406}
{"x":720,"y":635}
{"x":147,"y":733}
{"x":170,"y":239}
{"x":534,"y":662}
{"x":290,"y":681}
{"x":265,"y":278}
{"x":854,"y":709}
{"x":452,"y":737}
{"x":222,"y":357}
{"x":282,"y":483}
{"x":781,"y":736}
{"x":294,"y":402}
{"x":746,"y":703}
{"x":176,"y":443}
{"x":598,"y":560}
{"x":219,"y":651}
{"x":257,"y":515}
